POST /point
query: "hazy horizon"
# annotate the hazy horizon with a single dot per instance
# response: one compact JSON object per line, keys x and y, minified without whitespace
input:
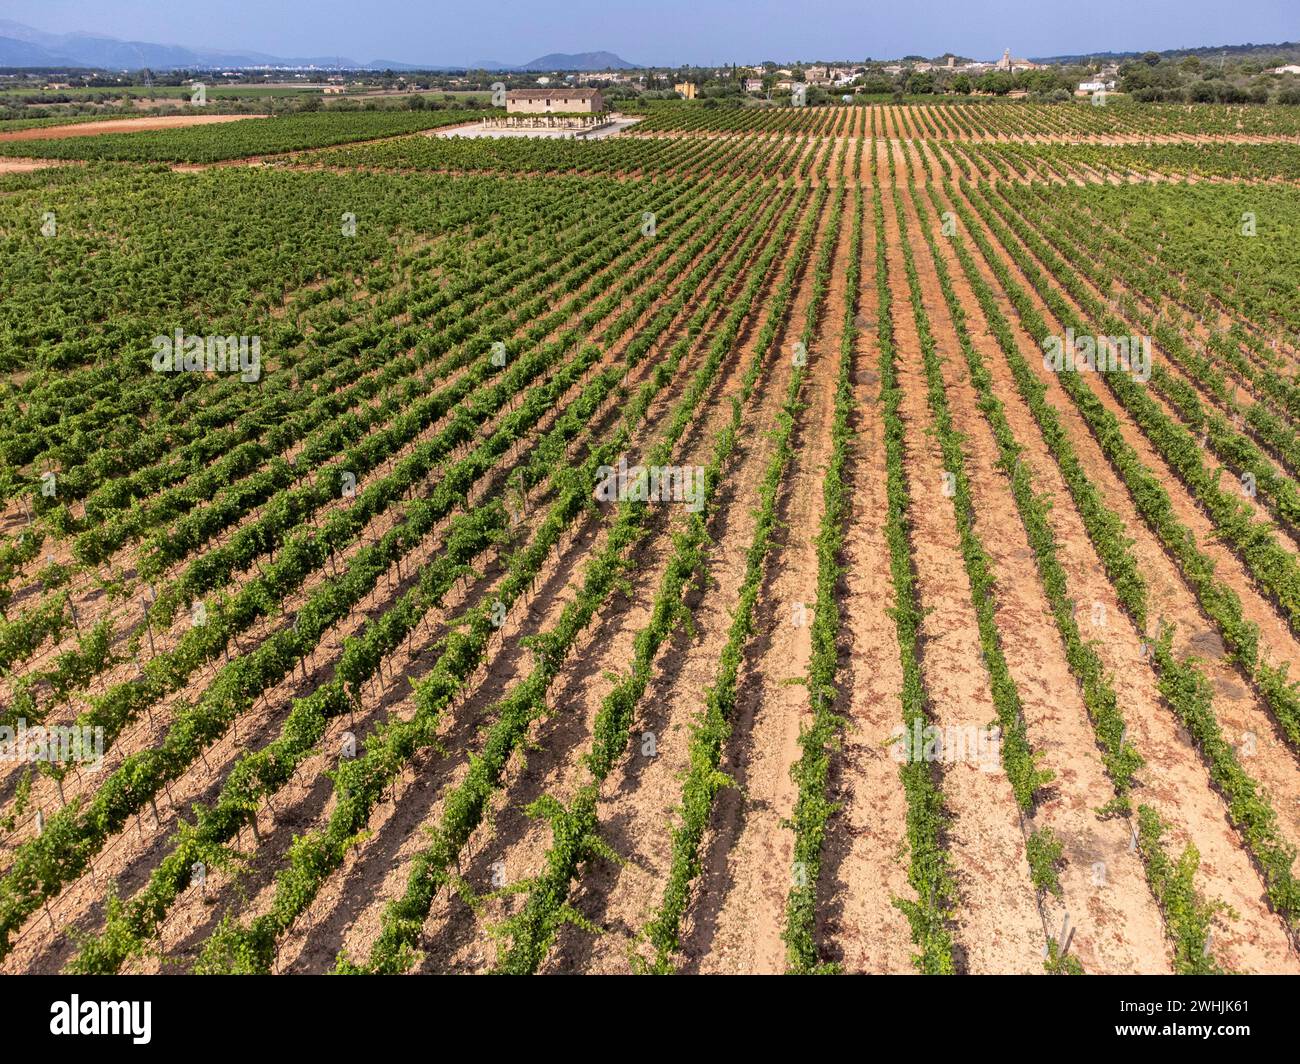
{"x":669,"y":33}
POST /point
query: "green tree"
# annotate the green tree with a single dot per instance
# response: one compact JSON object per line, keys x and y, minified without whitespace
{"x":920,"y":83}
{"x":998,"y":82}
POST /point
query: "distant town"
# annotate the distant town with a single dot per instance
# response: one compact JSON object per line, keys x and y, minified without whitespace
{"x":1244,"y":74}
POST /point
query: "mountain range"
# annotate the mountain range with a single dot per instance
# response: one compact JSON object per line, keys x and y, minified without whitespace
{"x":22,"y":46}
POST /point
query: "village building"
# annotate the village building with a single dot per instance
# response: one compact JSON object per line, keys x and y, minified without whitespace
{"x":554,"y":101}
{"x":1008,"y":62}
{"x":685,"y":89}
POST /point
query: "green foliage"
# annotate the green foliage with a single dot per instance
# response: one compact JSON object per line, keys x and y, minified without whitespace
{"x":1045,"y":853}
{"x":1058,"y":964}
{"x":1188,"y":916}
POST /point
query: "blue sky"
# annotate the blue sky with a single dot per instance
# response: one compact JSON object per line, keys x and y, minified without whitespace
{"x":668,"y":31}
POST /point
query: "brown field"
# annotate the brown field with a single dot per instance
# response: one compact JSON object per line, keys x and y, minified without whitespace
{"x":120,"y":125}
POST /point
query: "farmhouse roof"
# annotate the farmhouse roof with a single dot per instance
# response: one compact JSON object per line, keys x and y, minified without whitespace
{"x":551,"y":94}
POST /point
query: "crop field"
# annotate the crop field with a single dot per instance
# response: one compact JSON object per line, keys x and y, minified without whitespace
{"x":854,"y":538}
{"x":220,"y":137}
{"x":56,"y":130}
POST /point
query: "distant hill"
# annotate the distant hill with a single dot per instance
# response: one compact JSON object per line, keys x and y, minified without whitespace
{"x":586,"y":61}
{"x":1233,"y":51}
{"x":16,"y":53}
{"x":22,"y":46}
{"x":390,"y":64}
{"x":579,"y":61}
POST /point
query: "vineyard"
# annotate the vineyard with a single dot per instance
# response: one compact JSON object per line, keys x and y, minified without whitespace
{"x":811,"y":540}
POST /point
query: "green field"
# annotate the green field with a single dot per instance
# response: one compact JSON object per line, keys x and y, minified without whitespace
{"x":846,"y":539}
{"x":235,"y":140}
